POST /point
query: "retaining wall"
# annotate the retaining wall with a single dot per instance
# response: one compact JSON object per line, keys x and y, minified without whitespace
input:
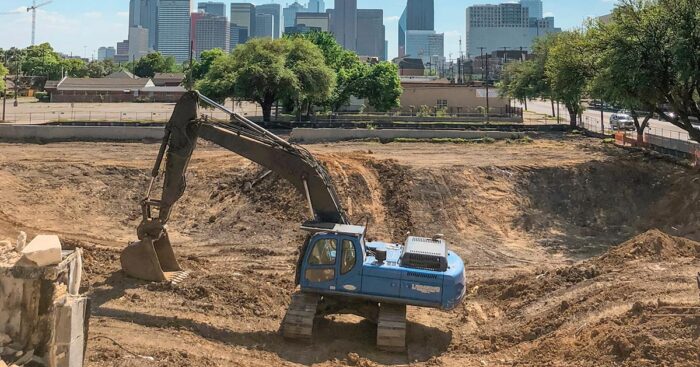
{"x":330,"y":135}
{"x":88,"y":133}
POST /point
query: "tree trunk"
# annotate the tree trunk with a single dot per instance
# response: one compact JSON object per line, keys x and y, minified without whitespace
{"x":525,"y":102}
{"x":573,"y":117}
{"x":267,"y":111}
{"x":554,"y":113}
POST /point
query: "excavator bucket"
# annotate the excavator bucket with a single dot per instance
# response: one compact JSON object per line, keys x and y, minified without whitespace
{"x":150,"y":260}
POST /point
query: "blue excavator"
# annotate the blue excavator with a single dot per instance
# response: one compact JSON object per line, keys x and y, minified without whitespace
{"x":339,"y":271}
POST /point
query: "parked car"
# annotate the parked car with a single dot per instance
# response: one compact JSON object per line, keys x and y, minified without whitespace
{"x":621,"y":121}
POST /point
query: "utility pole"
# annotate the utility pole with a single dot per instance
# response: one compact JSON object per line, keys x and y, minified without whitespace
{"x":4,"y":99}
{"x":482,"y":62}
{"x":488,"y":109}
{"x":505,"y":55}
{"x":602,"y":118}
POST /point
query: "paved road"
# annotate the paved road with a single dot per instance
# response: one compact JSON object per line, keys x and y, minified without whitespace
{"x":592,"y":118}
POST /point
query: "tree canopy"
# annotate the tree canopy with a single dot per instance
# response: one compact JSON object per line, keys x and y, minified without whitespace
{"x":265,"y":71}
{"x":155,"y":62}
{"x":645,"y":59}
{"x":3,"y":72}
{"x":355,"y":78}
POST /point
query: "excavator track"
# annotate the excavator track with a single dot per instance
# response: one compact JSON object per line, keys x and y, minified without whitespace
{"x":391,"y":328}
{"x":298,"y":323}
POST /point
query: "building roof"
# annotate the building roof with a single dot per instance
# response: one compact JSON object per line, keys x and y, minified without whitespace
{"x":106,"y":84}
{"x":169,"y":76}
{"x":122,"y":74}
{"x":162,"y":89}
{"x":410,"y":63}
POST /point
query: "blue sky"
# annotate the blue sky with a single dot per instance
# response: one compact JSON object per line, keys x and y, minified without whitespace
{"x":82,"y":26}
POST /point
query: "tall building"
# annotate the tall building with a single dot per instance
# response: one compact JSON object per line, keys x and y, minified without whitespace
{"x":276,"y":11}
{"x":425,"y":45}
{"x":122,"y":54}
{"x":534,"y":8}
{"x":138,"y":43}
{"x":315,"y":21}
{"x":144,"y":13}
{"x":316,"y":6}
{"x":194,"y":19}
{"x":243,"y":17}
{"x":213,"y":8}
{"x":211,"y":31}
{"x":370,"y":33}
{"x":106,"y":53}
{"x":174,"y":28}
{"x":264,"y":26}
{"x":504,"y":26}
{"x":345,"y":23}
{"x":290,"y":13}
{"x":419,"y":15}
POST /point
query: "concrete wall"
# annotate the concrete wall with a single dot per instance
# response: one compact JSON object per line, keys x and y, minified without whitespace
{"x":684,"y":146}
{"x":67,"y":133}
{"x":329,"y":135}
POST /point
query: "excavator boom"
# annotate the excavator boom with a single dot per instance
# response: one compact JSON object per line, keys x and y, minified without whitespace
{"x":152,"y":257}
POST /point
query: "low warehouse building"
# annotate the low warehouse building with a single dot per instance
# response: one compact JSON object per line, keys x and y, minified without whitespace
{"x":111,"y":90}
{"x":451,"y":98}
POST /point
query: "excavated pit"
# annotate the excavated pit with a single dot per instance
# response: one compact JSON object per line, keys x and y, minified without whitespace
{"x":530,"y":221}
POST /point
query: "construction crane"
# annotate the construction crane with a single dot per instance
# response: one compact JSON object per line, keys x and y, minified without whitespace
{"x":33,"y":9}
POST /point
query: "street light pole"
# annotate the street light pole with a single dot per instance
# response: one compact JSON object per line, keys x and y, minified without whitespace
{"x":488,"y":109}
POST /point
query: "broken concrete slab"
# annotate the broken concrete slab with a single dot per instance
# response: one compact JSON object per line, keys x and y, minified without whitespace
{"x":44,"y":250}
{"x":21,"y":242}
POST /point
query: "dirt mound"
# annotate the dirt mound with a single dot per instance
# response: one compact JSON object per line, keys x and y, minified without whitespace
{"x":652,"y":245}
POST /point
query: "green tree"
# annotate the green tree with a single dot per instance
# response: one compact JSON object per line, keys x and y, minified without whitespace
{"x":568,"y":68}
{"x":382,"y":86}
{"x":622,"y":77}
{"x":96,"y":69}
{"x":347,"y":66}
{"x":149,"y":65}
{"x":74,"y":68}
{"x":41,"y":60}
{"x":315,"y":80}
{"x":3,"y":72}
{"x":265,"y":71}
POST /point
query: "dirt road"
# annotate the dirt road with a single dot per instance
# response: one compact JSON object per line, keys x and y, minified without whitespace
{"x":535,"y":223}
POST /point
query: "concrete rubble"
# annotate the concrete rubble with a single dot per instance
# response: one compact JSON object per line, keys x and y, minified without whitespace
{"x":43,"y":317}
{"x":44,"y":250}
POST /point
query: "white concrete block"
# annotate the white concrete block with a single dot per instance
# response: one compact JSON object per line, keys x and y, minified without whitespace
{"x":44,"y":250}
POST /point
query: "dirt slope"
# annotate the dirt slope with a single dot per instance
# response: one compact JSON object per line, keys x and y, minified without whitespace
{"x":523,"y":216}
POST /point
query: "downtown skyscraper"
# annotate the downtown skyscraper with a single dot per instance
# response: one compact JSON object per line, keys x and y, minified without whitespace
{"x":417,"y":36}
{"x":144,"y":14}
{"x":344,"y":22}
{"x":174,"y":28}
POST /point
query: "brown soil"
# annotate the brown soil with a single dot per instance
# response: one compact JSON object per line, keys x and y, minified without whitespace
{"x":537,"y":225}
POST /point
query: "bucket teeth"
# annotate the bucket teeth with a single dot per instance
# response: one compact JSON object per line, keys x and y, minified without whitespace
{"x":177,"y":277}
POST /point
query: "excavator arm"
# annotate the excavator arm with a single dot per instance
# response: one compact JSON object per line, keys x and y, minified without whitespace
{"x":152,"y":257}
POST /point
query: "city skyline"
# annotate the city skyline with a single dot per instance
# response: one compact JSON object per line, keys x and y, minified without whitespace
{"x":107,"y":22}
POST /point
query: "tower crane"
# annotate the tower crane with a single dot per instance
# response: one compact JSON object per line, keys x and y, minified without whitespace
{"x":33,"y":9}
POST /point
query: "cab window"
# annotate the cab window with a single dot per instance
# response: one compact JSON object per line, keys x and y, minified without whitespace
{"x":324,"y":252}
{"x":349,"y":257}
